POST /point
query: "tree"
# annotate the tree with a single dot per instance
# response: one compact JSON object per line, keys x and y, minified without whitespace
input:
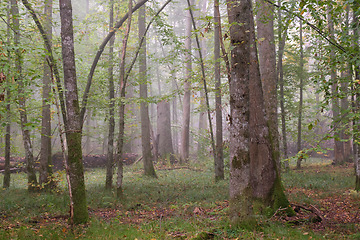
{"x":144,"y":109}
{"x":110,"y":145}
{"x":45,"y":177}
{"x":166,"y":150}
{"x":29,"y":157}
{"x":338,"y":144}
{"x":254,"y":179}
{"x":185,"y":126}
{"x":73,"y":124}
{"x":301,"y":86}
{"x":267,"y":63}
{"x":219,"y":156}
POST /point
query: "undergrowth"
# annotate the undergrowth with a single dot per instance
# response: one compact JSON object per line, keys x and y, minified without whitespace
{"x":179,"y":204}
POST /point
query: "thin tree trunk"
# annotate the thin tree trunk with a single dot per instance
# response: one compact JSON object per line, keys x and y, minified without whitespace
{"x":219,"y":160}
{"x":144,"y":107}
{"x":282,"y":40}
{"x":301,"y":74}
{"x":185,"y":126}
{"x":29,"y":157}
{"x":110,"y":145}
{"x":338,"y":145}
{"x":74,"y":121}
{"x":6,"y":182}
{"x":45,"y":177}
{"x":120,"y":144}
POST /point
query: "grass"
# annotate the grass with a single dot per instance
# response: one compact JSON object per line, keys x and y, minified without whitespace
{"x":181,"y":204}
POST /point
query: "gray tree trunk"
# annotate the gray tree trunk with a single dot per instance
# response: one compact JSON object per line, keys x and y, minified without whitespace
{"x":6,"y":182}
{"x":301,"y":85}
{"x":45,"y":177}
{"x":166,"y":150}
{"x":29,"y":157}
{"x":144,"y":107}
{"x":110,"y":145}
{"x":185,"y":126}
{"x":219,"y":160}
{"x":267,"y":58}
{"x":74,"y":122}
{"x":338,"y":145}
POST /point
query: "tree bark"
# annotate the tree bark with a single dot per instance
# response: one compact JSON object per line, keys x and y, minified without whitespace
{"x":45,"y":177}
{"x":74,"y":121}
{"x":240,"y":11}
{"x":6,"y":182}
{"x":144,"y":108}
{"x":338,"y":145}
{"x":29,"y":157}
{"x":267,"y":63}
{"x":185,"y":126}
{"x":301,"y":85}
{"x":219,"y":160}
{"x":282,"y":39}
{"x":166,"y":150}
{"x":110,"y":145}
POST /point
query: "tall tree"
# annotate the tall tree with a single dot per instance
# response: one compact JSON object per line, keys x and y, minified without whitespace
{"x":110,"y":145}
{"x":185,"y":126}
{"x":29,"y":157}
{"x":254,"y":179}
{"x":301,"y":86}
{"x":267,"y":58}
{"x":356,"y":107}
{"x":45,"y":177}
{"x":6,"y":182}
{"x":282,"y":38}
{"x":144,"y":108}
{"x":338,"y":144}
{"x":219,"y":157}
{"x":74,"y":122}
{"x":166,"y":150}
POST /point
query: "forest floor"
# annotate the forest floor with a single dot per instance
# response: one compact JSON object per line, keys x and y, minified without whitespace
{"x":184,"y":203}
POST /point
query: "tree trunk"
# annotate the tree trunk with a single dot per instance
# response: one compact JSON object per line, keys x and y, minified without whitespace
{"x":166,"y":150}
{"x":282,"y":39}
{"x":6,"y":182}
{"x":254,"y":180}
{"x":267,"y":60}
{"x":185,"y":131}
{"x":356,"y":109}
{"x":144,"y":107}
{"x":301,"y":74}
{"x":110,"y":145}
{"x":74,"y":121}
{"x":29,"y":157}
{"x":338,"y":145}
{"x":219,"y":159}
{"x":45,"y":177}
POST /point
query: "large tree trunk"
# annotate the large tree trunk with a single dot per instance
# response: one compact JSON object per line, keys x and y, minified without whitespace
{"x":45,"y":177}
{"x":185,"y":131}
{"x":240,"y":182}
{"x":267,"y":58}
{"x":254,"y":179}
{"x":29,"y":157}
{"x":301,"y":85}
{"x":219,"y":157}
{"x":144,"y":107}
{"x":110,"y":146}
{"x":74,"y":121}
{"x":166,"y":150}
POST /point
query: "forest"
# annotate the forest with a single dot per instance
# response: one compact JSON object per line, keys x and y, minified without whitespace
{"x":168,"y":119}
